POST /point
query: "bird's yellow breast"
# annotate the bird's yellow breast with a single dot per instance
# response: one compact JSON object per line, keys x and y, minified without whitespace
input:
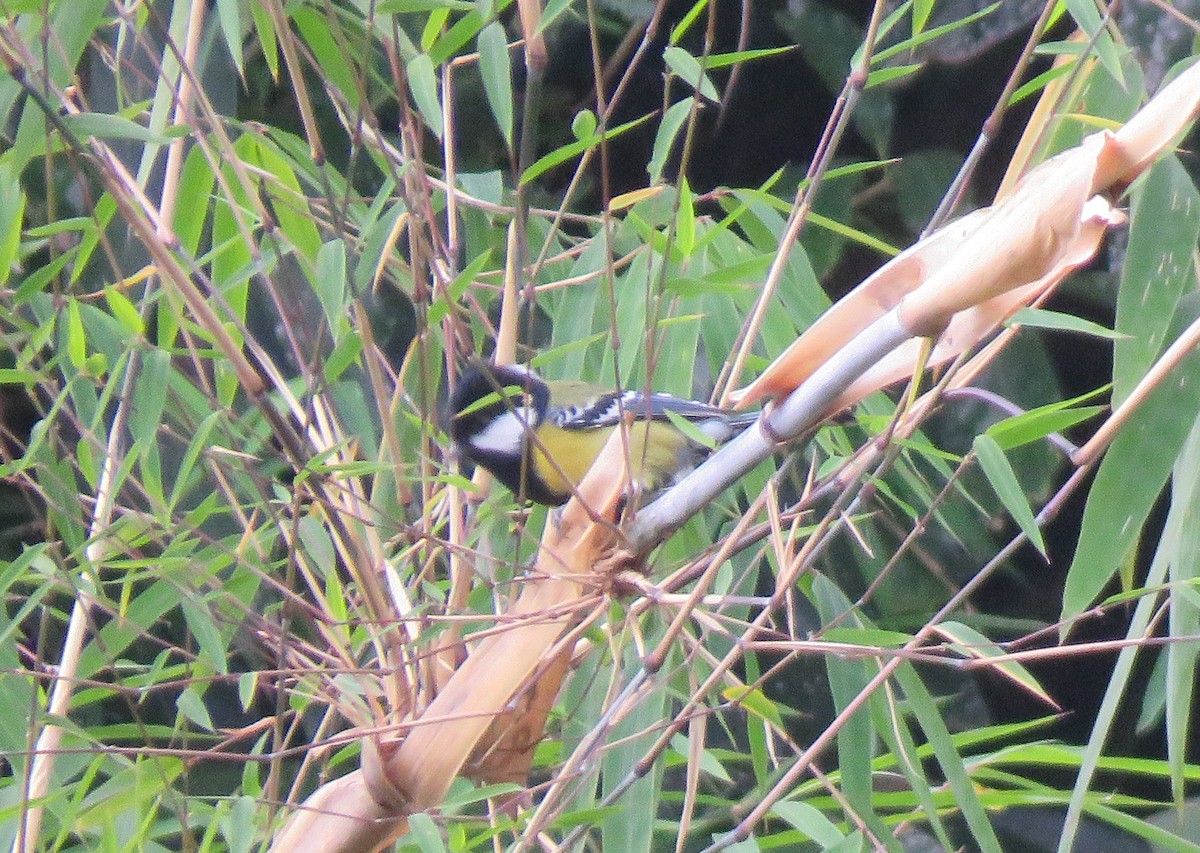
{"x":655,"y":450}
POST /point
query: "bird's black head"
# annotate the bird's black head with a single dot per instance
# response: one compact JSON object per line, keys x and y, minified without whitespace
{"x":492,"y":407}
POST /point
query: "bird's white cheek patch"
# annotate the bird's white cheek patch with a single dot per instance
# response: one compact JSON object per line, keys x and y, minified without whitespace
{"x":505,"y":433}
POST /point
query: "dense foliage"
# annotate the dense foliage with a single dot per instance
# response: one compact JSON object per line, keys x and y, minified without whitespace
{"x":246,"y":246}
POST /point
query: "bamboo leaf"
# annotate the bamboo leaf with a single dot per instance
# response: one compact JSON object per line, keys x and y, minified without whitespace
{"x":110,"y":126}
{"x":12,"y":219}
{"x":496,"y":68}
{"x":567,"y":152}
{"x":664,"y":138}
{"x":687,"y":68}
{"x":229,"y":18}
{"x":1004,"y":482}
{"x":1041,"y":318}
{"x":422,"y":82}
{"x":1163,"y":230}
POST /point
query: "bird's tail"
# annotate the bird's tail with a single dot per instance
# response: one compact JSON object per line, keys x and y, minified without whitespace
{"x":738,"y":421}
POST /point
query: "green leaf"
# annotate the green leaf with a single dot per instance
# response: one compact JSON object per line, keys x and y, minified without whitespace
{"x":455,"y":38}
{"x":265,"y":30}
{"x":1061,"y":48}
{"x":857,"y":741}
{"x":66,"y":225}
{"x":1132,"y":475}
{"x":435,"y":22}
{"x":876,"y":637}
{"x":106,"y":208}
{"x":566,"y":152}
{"x":973,"y":645}
{"x":929,"y":717}
{"x":296,"y":223}
{"x":335,"y":66}
{"x":229,"y":17}
{"x":330,"y":285}
{"x":401,"y":7}
{"x":231,"y":262}
{"x":74,"y":26}
{"x":193,"y":204}
{"x":12,"y":217}
{"x":111,"y":126}
{"x":664,"y":139}
{"x":887,"y":75}
{"x":425,"y":834}
{"x":422,"y":82}
{"x":860,"y":237}
{"x":198,"y":444}
{"x":18,"y":376}
{"x":631,"y":828}
{"x":130,"y":789}
{"x":454,"y":291}
{"x":375,"y":240}
{"x":207,"y":635}
{"x":755,"y":702}
{"x":76,"y":339}
{"x":575,"y":330}
{"x":87,"y":462}
{"x":191,"y":705}
{"x":1180,"y":546}
{"x":686,"y":21}
{"x":921,"y":36}
{"x":1164,"y":227}
{"x":344,"y":354}
{"x":710,"y":763}
{"x":756,"y":736}
{"x":905,"y":754}
{"x":553,"y":9}
{"x":1004,"y":482}
{"x":1035,"y":425}
{"x":810,"y":821}
{"x":1088,"y":17}
{"x":456,"y":799}
{"x":584,"y":124}
{"x":687,"y":68}
{"x":685,"y":221}
{"x":1038,"y":82}
{"x":247,"y":688}
{"x":921,"y":11}
{"x":1041,"y":318}
{"x":691,"y":431}
{"x":721,"y":60}
{"x":495,"y":66}
{"x":149,"y":396}
{"x":123,"y":311}
{"x":693,"y":287}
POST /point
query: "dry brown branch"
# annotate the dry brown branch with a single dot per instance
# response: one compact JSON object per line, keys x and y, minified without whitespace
{"x":414,"y":775}
{"x":959,"y":284}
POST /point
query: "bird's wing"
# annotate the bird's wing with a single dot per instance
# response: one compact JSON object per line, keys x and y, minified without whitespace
{"x":606,"y":410}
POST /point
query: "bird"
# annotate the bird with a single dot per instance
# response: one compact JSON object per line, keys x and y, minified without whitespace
{"x":513,"y":423}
